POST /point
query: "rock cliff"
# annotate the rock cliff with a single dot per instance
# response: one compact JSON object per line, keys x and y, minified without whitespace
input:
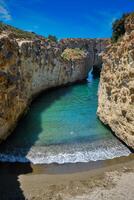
{"x":31,"y":64}
{"x":116,"y":90}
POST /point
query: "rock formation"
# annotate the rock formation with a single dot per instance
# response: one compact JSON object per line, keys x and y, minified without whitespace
{"x":116,"y":90}
{"x":32,"y":64}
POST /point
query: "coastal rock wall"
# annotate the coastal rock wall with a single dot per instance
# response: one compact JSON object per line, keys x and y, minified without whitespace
{"x":94,"y":46}
{"x":116,"y":91}
{"x":28,"y":67}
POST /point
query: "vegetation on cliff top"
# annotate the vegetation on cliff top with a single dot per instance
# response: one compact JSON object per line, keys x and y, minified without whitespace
{"x":52,"y":38}
{"x":73,"y":54}
{"x":119,"y":26}
{"x":20,"y":34}
{"x":16,"y":32}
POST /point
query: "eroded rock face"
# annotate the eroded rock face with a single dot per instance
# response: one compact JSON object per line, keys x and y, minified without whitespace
{"x":116,"y":91}
{"x":93,"y":46}
{"x":29,"y":67}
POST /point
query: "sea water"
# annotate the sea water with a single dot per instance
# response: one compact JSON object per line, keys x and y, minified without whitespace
{"x":61,"y":126}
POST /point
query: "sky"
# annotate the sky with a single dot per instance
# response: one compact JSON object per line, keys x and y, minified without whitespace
{"x":65,"y":18}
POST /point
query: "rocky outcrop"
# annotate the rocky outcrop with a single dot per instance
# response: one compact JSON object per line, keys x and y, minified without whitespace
{"x":116,"y":90}
{"x":93,"y":46}
{"x":29,"y":66}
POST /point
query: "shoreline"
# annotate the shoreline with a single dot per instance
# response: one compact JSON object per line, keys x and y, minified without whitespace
{"x":80,"y":181}
{"x":67,"y":168}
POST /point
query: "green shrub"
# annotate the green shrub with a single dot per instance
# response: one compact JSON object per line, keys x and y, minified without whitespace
{"x":52,"y":38}
{"x":73,"y":54}
{"x":119,"y":28}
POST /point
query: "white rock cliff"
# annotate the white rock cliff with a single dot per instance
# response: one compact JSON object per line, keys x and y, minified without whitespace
{"x":28,"y":67}
{"x":116,"y":90}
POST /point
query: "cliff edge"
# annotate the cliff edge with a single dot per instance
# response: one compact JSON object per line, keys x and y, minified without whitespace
{"x":116,"y":89}
{"x":30,"y":64}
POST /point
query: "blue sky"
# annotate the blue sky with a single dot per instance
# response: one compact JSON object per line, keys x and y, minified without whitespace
{"x":70,"y":18}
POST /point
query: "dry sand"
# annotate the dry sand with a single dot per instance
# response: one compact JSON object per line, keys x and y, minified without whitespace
{"x":102,"y":180}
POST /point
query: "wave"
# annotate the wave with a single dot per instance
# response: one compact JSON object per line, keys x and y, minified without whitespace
{"x":72,"y":153}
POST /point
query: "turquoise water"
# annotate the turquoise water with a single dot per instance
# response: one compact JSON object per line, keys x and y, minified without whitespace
{"x":61,"y":126}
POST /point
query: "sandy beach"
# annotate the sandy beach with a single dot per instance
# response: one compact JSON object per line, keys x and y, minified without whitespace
{"x":66,"y":100}
{"x":101,"y":180}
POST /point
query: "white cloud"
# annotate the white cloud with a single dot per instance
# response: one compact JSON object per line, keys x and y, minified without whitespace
{"x":4,"y":12}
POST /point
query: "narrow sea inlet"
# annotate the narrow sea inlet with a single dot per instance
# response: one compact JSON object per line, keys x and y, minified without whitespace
{"x":61,"y":126}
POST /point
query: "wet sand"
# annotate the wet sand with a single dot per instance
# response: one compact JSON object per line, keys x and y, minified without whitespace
{"x":101,"y":180}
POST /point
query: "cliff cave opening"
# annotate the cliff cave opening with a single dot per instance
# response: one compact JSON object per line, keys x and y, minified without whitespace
{"x":96,"y":70}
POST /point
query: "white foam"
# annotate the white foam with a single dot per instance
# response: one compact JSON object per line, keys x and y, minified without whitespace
{"x":74,"y":153}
